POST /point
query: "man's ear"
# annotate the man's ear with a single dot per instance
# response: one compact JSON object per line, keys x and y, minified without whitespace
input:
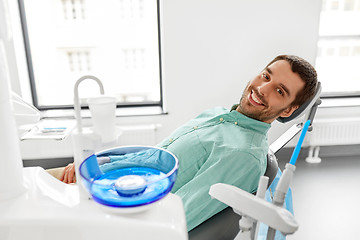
{"x":287,"y":112}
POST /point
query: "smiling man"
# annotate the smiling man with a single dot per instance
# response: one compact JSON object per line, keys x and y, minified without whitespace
{"x":273,"y":92}
{"x":230,"y":146}
{"x":222,"y":146}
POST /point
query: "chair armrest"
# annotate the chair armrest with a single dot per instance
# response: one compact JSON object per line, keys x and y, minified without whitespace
{"x":247,"y":204}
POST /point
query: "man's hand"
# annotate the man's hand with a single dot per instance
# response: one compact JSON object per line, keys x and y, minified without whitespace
{"x":68,"y":176}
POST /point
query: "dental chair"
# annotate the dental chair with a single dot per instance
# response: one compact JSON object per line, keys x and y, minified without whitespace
{"x":225,"y":224}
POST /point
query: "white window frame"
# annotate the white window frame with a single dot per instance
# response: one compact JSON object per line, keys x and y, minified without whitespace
{"x":27,"y":85}
{"x":336,"y":98}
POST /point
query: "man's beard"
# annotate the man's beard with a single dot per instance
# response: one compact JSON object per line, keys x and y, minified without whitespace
{"x":263,"y":115}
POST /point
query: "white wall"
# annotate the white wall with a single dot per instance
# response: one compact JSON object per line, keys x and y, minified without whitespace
{"x":212,"y":48}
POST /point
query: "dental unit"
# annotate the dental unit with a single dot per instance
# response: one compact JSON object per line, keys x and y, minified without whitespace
{"x":35,"y":205}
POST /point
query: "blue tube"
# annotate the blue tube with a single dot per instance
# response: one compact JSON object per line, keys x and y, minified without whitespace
{"x":298,"y":145}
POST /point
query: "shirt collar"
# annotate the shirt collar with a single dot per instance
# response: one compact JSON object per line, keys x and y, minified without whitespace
{"x":248,"y":122}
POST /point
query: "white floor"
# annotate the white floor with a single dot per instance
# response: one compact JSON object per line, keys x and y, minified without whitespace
{"x":327,"y":199}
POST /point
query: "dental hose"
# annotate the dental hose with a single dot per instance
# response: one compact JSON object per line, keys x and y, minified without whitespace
{"x":300,"y":142}
{"x":286,"y":178}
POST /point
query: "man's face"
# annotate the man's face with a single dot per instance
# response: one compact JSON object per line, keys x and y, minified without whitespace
{"x":270,"y":94}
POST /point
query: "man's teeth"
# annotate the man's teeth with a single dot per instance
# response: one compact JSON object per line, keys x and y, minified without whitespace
{"x":255,"y":98}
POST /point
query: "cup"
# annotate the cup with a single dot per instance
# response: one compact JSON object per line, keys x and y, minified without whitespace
{"x":103,"y":116}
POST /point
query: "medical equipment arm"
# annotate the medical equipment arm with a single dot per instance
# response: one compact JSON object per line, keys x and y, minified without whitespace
{"x":254,"y":207}
{"x":250,"y":206}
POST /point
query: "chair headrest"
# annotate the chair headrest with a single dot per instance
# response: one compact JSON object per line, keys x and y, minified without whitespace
{"x":305,"y":107}
{"x":271,"y":167}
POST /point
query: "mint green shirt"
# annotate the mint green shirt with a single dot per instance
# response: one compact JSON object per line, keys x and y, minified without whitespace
{"x":218,"y":146}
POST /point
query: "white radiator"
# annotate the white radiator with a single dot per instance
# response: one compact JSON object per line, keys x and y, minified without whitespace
{"x":329,"y":132}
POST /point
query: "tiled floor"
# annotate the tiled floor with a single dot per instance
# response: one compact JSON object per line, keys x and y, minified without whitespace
{"x":327,"y":199}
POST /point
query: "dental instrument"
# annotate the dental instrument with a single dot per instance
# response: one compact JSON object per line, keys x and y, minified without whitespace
{"x":49,"y":129}
{"x":284,"y":183}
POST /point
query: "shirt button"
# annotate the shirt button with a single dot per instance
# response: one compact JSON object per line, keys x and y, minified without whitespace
{"x":221,"y":119}
{"x":235,"y":123}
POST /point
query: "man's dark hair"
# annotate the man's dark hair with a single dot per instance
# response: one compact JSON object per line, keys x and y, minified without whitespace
{"x":306,"y":72}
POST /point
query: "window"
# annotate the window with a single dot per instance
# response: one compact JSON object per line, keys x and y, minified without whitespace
{"x":114,"y":40}
{"x":338,"y":58}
